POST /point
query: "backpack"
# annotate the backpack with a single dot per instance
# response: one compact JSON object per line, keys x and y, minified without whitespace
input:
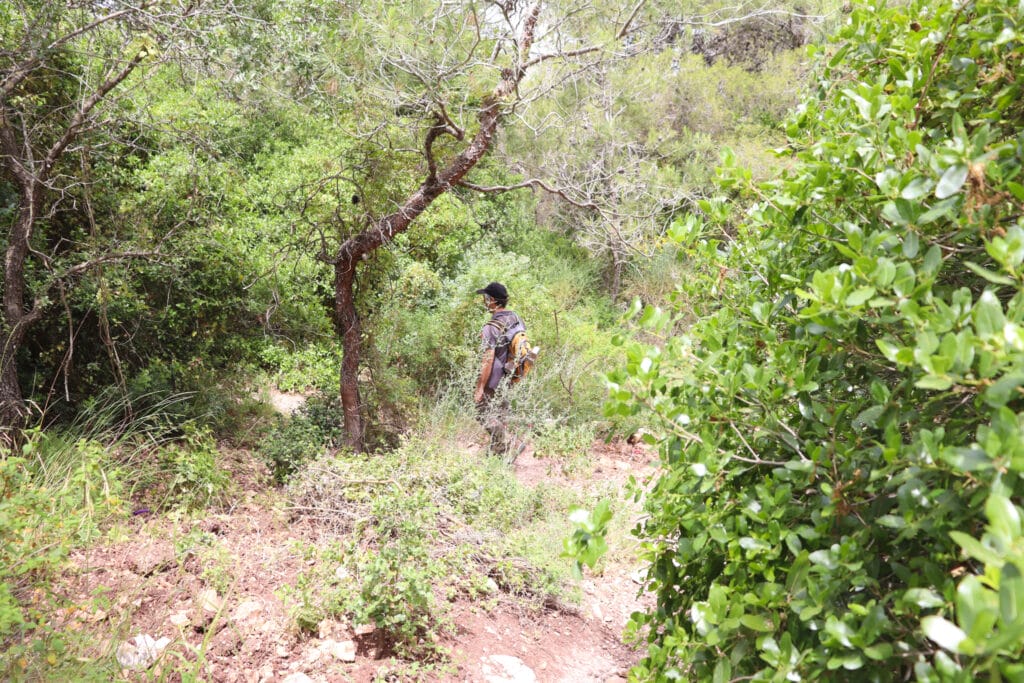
{"x":521,"y":356}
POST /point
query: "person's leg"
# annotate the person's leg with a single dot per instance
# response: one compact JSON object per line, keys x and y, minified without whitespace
{"x":492,"y":414}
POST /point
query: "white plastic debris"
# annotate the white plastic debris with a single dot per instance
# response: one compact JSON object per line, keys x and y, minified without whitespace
{"x":140,"y":653}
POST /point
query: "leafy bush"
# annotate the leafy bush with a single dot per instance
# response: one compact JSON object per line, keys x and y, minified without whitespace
{"x":303,"y":437}
{"x":314,"y":366}
{"x":195,"y":479}
{"x":568,"y":445}
{"x":25,"y":509}
{"x":396,"y":582}
{"x":843,"y":422}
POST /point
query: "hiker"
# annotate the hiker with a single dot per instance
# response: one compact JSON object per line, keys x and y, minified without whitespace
{"x":493,"y":413}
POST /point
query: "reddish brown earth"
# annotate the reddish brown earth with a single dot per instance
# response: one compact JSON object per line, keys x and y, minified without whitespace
{"x":245,"y":634}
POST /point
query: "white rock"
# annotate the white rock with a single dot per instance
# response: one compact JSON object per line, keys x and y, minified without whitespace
{"x":209,"y":601}
{"x":140,"y":653}
{"x":246,"y":610}
{"x":506,"y":669}
{"x":297,"y":677}
{"x":180,"y":619}
{"x":345,"y":651}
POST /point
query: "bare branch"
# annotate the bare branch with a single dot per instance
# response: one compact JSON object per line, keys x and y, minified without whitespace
{"x":113,"y":257}
{"x":701,"y":23}
{"x":21,"y":71}
{"x":629,"y":21}
{"x":531,"y":183}
{"x":565,"y":55}
{"x":81,"y":115}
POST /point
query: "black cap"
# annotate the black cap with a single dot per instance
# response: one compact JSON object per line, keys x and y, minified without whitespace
{"x":496,"y":291}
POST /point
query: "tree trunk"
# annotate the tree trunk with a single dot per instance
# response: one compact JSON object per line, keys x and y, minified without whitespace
{"x":12,"y":405}
{"x":346,"y":323}
{"x":15,"y":320}
{"x":616,"y":277}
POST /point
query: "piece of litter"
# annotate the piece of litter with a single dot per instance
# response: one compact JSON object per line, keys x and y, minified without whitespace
{"x":140,"y":653}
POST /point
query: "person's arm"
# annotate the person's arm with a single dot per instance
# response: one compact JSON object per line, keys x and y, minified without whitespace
{"x":485,"y":374}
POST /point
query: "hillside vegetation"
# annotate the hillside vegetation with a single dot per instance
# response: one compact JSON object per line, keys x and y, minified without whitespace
{"x":783,"y":244}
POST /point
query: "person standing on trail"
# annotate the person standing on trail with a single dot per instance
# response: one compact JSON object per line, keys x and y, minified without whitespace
{"x":492,"y":412}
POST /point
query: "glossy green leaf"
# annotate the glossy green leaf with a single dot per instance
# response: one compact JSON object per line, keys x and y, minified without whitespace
{"x":1011,"y":595}
{"x":943,"y":633}
{"x":925,"y":598}
{"x":951,"y":181}
{"x":988,"y":315}
{"x":1004,"y":517}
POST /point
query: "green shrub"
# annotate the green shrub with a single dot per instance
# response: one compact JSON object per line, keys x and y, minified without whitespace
{"x":303,"y":437}
{"x":568,"y":445}
{"x":843,"y":451}
{"x":423,"y":524}
{"x":313,"y":366}
{"x":194,"y":476}
{"x":397,"y":579}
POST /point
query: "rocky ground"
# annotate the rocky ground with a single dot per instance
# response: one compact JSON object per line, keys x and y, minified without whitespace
{"x":221,"y":613}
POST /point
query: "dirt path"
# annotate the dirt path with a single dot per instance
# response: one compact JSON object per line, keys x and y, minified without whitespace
{"x":581,"y":647}
{"x":222,"y":607}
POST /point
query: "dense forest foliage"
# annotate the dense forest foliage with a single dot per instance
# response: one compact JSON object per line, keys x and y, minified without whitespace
{"x":784,"y":241}
{"x":842,"y":417}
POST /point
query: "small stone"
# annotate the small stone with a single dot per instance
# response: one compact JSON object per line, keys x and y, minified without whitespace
{"x":297,"y":677}
{"x":140,"y":653}
{"x":226,"y":642}
{"x":180,"y":619}
{"x":153,"y":557}
{"x":252,"y":645}
{"x":364,"y":629}
{"x":344,"y":651}
{"x":597,"y":611}
{"x":209,"y":601}
{"x":247,"y":609}
{"x":341,"y":573}
{"x":332,"y":629}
